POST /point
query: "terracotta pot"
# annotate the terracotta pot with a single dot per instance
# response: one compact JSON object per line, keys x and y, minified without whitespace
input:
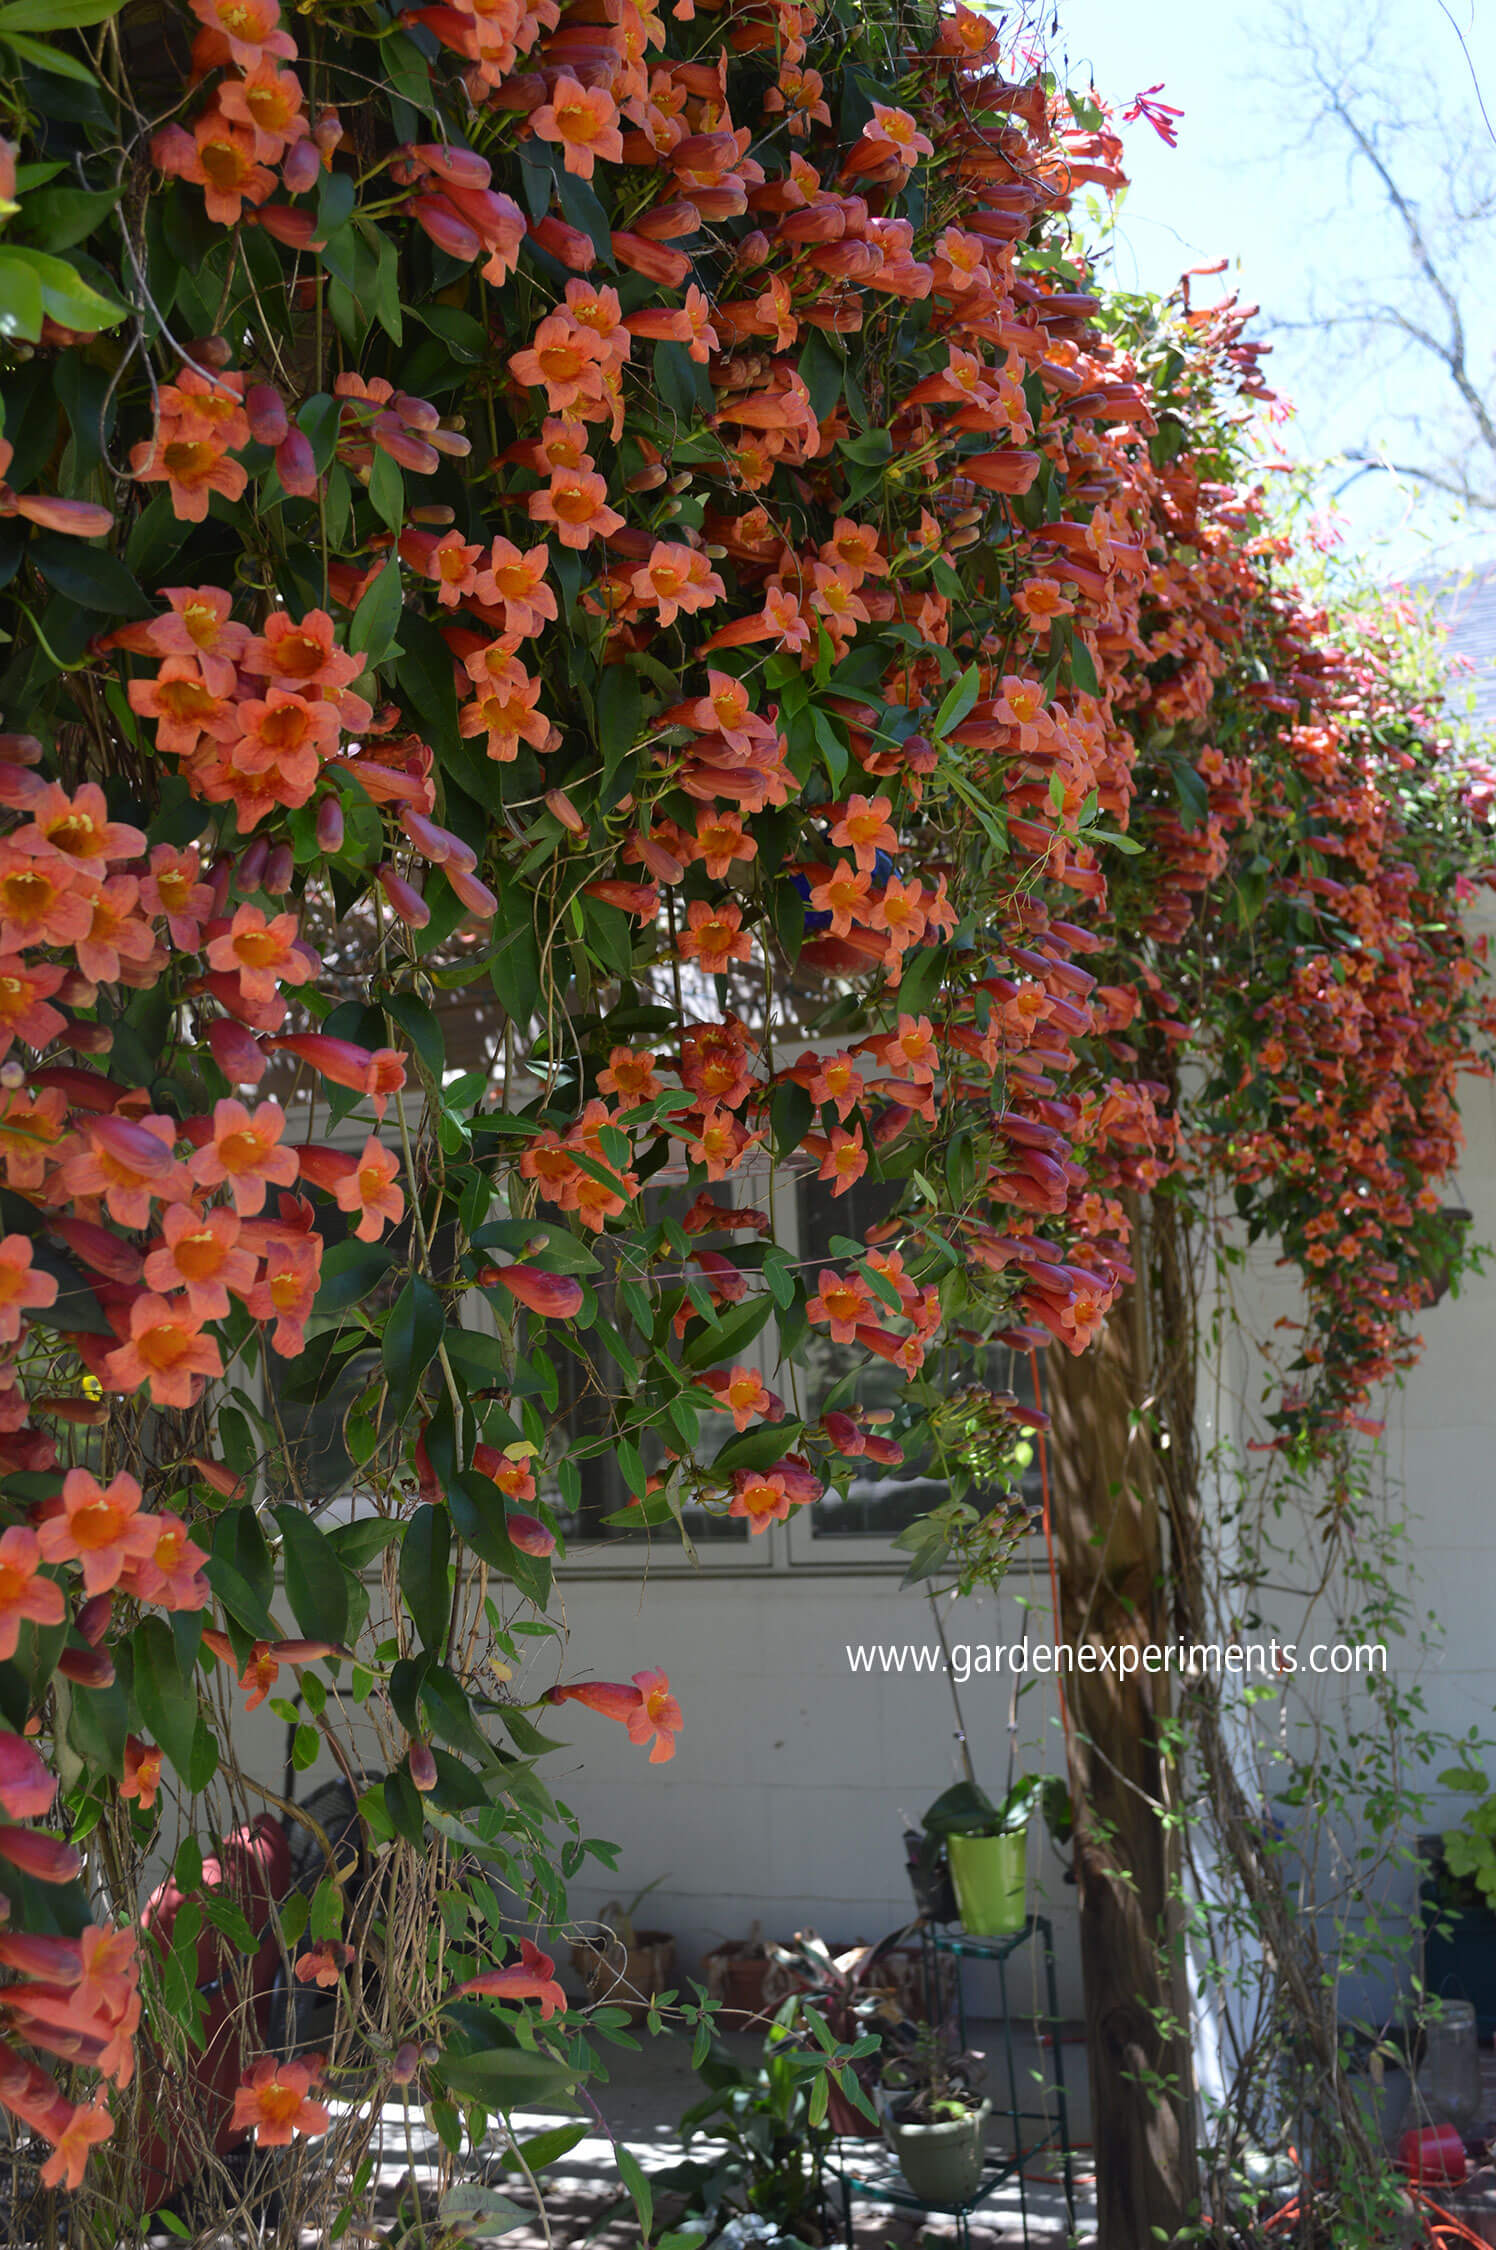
{"x":845,"y":2121}
{"x":627,"y":1976}
{"x":735,"y":1979}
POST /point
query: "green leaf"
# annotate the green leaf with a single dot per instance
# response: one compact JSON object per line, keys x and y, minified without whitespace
{"x":336,"y":196}
{"x":833,"y":749}
{"x":98,"y":1721}
{"x":583,"y":210}
{"x":20,"y":298}
{"x":166,"y":1702}
{"x":406,"y":71}
{"x":479,"y":1516}
{"x":242,"y":1604}
{"x":350,"y":1270}
{"x":61,"y":216}
{"x":316,"y":1582}
{"x":957,"y":701}
{"x":870,"y":451}
{"x":473,"y":2212}
{"x":737,"y":1327}
{"x":326,"y":1916}
{"x":424,"y":1031}
{"x":371,"y":633}
{"x":505,"y":2078}
{"x":451,"y":1714}
{"x":387,"y":491}
{"x":620,"y":715}
{"x":923,"y":971}
{"x":821,"y":370}
{"x":42,"y":57}
{"x":676,"y":382}
{"x":66,"y":295}
{"x":791,"y":1112}
{"x":424,"y":678}
{"x":357,"y":1544}
{"x":514,"y":969}
{"x":544,"y":1242}
{"x":638,"y":2186}
{"x":759,"y":1448}
{"x":542,"y":2150}
{"x":525,"y":1736}
{"x":241,"y":1574}
{"x":974,"y":801}
{"x":1082,"y":667}
{"x":231,"y":1921}
{"x":89,"y":576}
{"x":411,"y":1335}
{"x":465,"y":338}
{"x":423,"y":1573}
{"x":55,"y":15}
{"x":319,"y":421}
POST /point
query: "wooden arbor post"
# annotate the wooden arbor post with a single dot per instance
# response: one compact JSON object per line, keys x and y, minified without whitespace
{"x":1110,"y":1553}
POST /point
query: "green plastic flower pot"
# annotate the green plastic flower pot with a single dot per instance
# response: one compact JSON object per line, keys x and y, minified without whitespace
{"x":989,"y":1873}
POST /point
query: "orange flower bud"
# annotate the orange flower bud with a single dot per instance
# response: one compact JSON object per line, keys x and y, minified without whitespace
{"x":671,"y":268}
{"x":566,"y":243}
{"x":555,"y":1296}
{"x":560,"y":806}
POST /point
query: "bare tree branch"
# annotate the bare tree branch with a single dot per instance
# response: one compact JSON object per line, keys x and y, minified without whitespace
{"x":1453,"y":353}
{"x":1385,"y":128}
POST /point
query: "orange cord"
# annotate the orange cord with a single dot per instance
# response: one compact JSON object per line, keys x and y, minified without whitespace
{"x":1449,"y":2228}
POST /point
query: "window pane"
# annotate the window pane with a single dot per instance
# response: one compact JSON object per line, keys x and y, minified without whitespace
{"x":588,"y":1379}
{"x":882,"y":1501}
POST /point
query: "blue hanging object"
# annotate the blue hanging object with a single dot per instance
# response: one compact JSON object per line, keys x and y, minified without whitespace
{"x":814,"y":923}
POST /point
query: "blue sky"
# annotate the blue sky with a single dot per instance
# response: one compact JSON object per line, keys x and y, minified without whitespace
{"x":1298,"y":221}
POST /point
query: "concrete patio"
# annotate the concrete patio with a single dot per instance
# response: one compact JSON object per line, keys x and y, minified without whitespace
{"x":649,"y":2092}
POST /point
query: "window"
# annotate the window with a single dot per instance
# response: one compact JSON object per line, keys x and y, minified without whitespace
{"x":881,"y":1502}
{"x":587,"y":1372}
{"x":852,"y":1528}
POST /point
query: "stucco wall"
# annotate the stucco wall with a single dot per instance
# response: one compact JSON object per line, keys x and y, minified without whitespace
{"x":793,"y":1779}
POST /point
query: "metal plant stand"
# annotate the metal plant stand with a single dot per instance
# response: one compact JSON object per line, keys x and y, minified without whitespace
{"x":859,"y":2174}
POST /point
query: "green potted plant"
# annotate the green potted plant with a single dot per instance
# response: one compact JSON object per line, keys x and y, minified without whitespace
{"x":857,"y":1994}
{"x":986,"y":1845}
{"x":777,"y":2115}
{"x":936,"y":2120}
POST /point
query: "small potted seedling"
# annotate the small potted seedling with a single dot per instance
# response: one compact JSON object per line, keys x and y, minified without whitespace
{"x":936,"y":2120}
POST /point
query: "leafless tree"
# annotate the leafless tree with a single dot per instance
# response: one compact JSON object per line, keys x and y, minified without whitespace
{"x":1414,"y":251}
